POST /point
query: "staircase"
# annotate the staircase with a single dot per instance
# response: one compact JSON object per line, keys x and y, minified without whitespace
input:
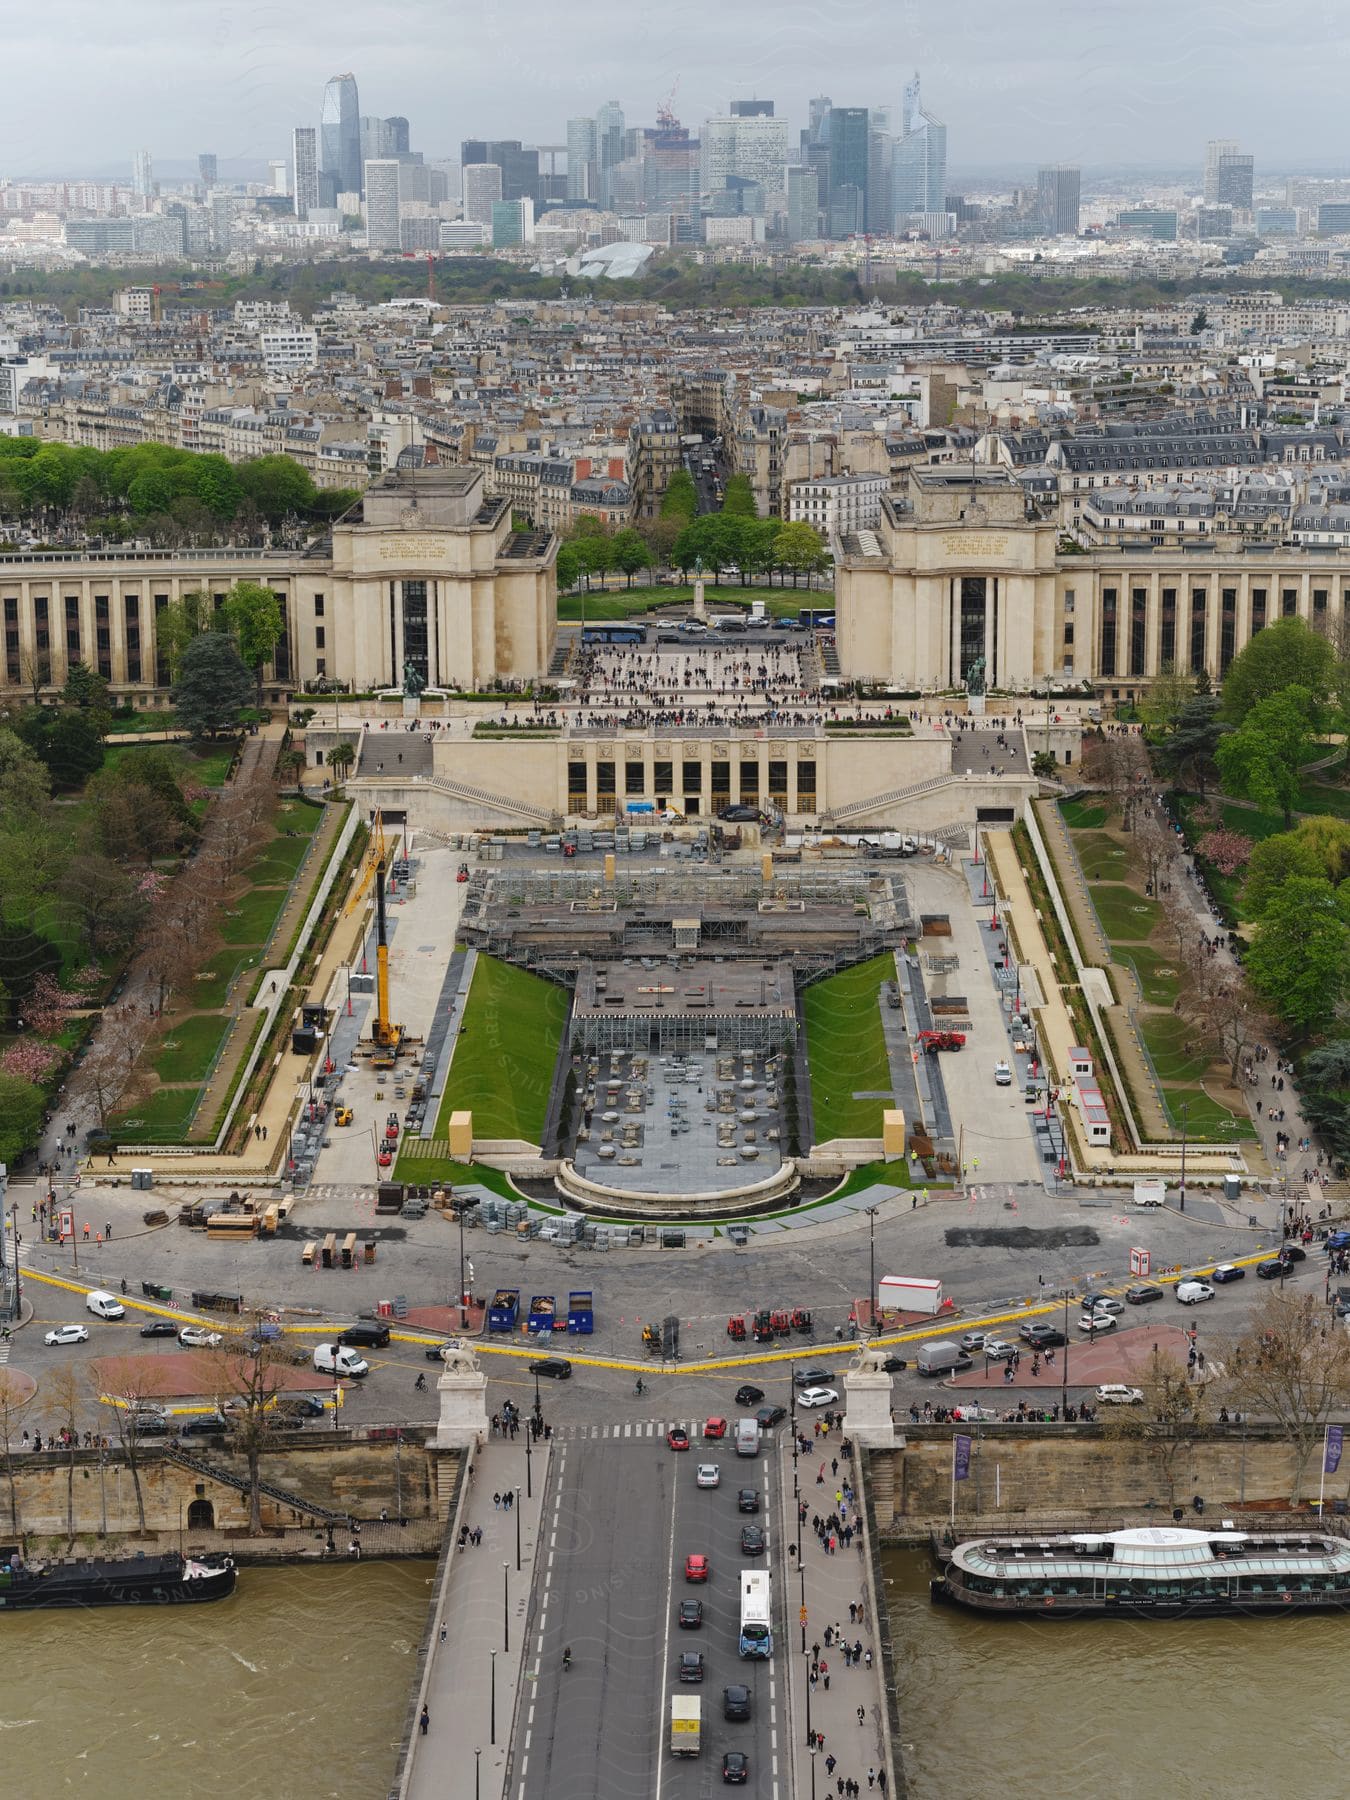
{"x":282,"y":1496}
{"x":857,"y":809}
{"x":879,"y":1474}
{"x":502,"y":803}
{"x":562,"y":655}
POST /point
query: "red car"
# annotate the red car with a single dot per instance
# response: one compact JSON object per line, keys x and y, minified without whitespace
{"x":715,"y":1428}
{"x":677,"y":1438}
{"x":696,"y":1568}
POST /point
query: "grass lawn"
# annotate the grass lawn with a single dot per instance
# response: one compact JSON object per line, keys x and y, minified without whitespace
{"x":624,"y":603}
{"x":1103,"y":859}
{"x":426,"y":1170}
{"x":1165,"y":1035}
{"x":846,"y":1050}
{"x":1205,"y":1117}
{"x":206,"y":768}
{"x":1126,"y":916}
{"x":891,"y":1174}
{"x":143,"y":722}
{"x":1324,"y":797}
{"x":162,"y":1117}
{"x":189,"y":1052}
{"x":502,"y":1070}
{"x":1156,"y":969}
{"x":1083,"y":815}
{"x":251,"y":917}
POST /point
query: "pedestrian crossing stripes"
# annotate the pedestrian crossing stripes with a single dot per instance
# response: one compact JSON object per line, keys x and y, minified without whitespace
{"x":4,"y":1350}
{"x":633,"y":1428}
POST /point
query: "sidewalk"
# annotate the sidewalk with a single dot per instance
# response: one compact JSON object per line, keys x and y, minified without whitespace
{"x":830,"y":1706}
{"x":484,"y":1600}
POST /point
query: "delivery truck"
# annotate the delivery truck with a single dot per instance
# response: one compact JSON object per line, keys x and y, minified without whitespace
{"x":909,"y":1293}
{"x":504,"y":1309}
{"x":686,"y":1724}
{"x":941,"y":1358}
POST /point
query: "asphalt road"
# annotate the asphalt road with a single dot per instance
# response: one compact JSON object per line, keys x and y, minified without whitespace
{"x":626,"y":1513}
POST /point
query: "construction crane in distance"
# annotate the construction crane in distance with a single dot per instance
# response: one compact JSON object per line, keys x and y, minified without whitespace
{"x":386,"y":1037}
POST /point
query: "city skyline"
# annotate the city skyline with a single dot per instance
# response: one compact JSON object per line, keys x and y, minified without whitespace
{"x":1038,"y":87}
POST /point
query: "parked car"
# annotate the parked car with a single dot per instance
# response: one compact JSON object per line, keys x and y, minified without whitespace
{"x":1115,"y":1393}
{"x":1041,"y":1336}
{"x":1228,"y":1272}
{"x":67,"y":1334}
{"x":749,"y":1396}
{"x":367,"y":1334}
{"x":159,"y":1328}
{"x":1002,"y":1075}
{"x":1191,"y":1293}
{"x":556,"y":1368}
{"x":1142,"y":1293}
{"x":690,"y":1615}
{"x":739,"y":815}
{"x":708,"y":1475}
{"x":993,"y":1346}
{"x":197,"y":1337}
{"x":972,"y":1340}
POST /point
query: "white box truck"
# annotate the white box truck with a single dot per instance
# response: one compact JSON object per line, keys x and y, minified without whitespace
{"x":908,"y":1293}
{"x":686,"y":1724}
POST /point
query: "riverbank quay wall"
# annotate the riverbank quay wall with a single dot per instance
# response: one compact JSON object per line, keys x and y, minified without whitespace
{"x":1084,"y":1473}
{"x":198,"y":1500}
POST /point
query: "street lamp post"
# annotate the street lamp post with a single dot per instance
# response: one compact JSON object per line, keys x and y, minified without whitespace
{"x":492,"y":1715}
{"x":463,"y":1310}
{"x":476,"y":1789}
{"x":516,"y":1510}
{"x":1183,"y":1108}
{"x":506,"y":1609}
{"x":872,"y":1212}
{"x":1064,"y":1389}
{"x":529,"y":1485}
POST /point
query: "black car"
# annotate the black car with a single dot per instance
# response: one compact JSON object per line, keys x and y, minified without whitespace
{"x":148,"y":1421}
{"x":557,"y":1368}
{"x":735,"y":1703}
{"x":806,"y":1378}
{"x":739,"y":815}
{"x":367,"y":1334}
{"x":1142,"y":1293}
{"x":1293,"y":1253}
{"x":752,"y":1540}
{"x":691,"y":1665}
{"x":749,"y":1396}
{"x":1043,"y":1337}
{"x":894,"y":1365}
{"x":203,"y":1425}
{"x":159,"y":1328}
{"x":770,"y":1415}
{"x":1274,"y":1269}
{"x":747,"y":1500}
{"x":690,"y":1615}
{"x":435,"y":1352}
{"x":735,"y":1767}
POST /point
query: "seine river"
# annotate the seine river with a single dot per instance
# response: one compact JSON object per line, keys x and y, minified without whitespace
{"x":1227,"y":1709}
{"x":294,"y":1688}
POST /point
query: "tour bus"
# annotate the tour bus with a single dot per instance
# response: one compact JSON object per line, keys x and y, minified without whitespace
{"x":756,"y":1614}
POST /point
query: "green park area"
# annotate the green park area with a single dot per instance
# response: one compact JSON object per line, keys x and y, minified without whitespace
{"x":503,"y":1062}
{"x":181,"y":1049}
{"x":600,"y":605}
{"x":1133,"y":924}
{"x":846,"y":1051}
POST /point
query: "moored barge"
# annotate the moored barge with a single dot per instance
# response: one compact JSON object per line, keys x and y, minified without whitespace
{"x":124,"y":1581}
{"x":1154,"y":1571}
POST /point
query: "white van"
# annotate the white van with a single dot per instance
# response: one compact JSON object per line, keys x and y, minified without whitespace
{"x":337,"y":1359}
{"x":105,"y":1306}
{"x":747,"y":1437}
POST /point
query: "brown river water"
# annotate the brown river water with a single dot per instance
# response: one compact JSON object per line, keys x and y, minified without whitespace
{"x":1022,"y":1709}
{"x":295,"y":1688}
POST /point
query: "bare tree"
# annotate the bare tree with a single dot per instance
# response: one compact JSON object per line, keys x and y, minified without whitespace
{"x":1118,"y":766}
{"x":1292,"y":1366}
{"x":64,"y":1393}
{"x":1174,"y":1410}
{"x":249,"y":1373}
{"x":128,"y":1380}
{"x":14,"y":1397}
{"x":1155,"y":845}
{"x":37,"y":673}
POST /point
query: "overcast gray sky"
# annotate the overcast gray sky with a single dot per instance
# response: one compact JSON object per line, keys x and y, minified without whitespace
{"x":1016,"y":81}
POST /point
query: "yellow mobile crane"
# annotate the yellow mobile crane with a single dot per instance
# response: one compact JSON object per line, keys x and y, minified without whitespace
{"x":385,"y":1036}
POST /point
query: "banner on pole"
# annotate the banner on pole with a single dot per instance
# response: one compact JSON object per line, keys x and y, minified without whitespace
{"x":1332,"y":1460}
{"x":961,"y":1470}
